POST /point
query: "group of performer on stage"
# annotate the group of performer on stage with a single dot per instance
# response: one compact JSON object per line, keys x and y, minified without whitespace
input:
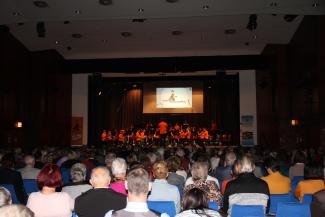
{"x":178,"y":133}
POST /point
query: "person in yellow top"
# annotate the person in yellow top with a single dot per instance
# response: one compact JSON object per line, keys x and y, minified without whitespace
{"x":314,"y":181}
{"x":278,"y":184}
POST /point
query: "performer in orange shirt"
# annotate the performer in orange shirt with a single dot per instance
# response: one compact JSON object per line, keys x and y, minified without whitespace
{"x":163,"y":130}
{"x":121,"y":136}
{"x":104,"y":136}
{"x":204,"y":134}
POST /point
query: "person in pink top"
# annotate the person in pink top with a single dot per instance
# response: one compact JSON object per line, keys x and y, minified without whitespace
{"x":119,"y":171}
{"x":47,"y":202}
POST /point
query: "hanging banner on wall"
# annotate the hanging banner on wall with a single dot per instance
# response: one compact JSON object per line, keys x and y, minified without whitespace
{"x":246,"y":131}
{"x":76,"y":131}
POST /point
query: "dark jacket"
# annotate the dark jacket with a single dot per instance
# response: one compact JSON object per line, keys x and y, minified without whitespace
{"x":317,"y":206}
{"x":97,"y":202}
{"x":247,"y":188}
{"x":9,"y":176}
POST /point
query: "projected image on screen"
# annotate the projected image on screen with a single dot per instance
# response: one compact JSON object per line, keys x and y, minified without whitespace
{"x":174,"y":97}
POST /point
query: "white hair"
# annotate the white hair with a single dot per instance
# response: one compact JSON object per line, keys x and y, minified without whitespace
{"x":246,"y":164}
{"x":119,"y":167}
{"x":78,"y":172}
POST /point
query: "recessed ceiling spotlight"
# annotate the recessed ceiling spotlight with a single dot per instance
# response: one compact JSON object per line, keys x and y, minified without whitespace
{"x":140,"y":10}
{"x":247,"y":43}
{"x":254,"y":37}
{"x":177,"y":32}
{"x":104,"y":40}
{"x":126,"y":34}
{"x":20,"y":24}
{"x":273,"y":4}
{"x":105,"y":2}
{"x":230,"y":31}
{"x":209,"y":87}
{"x":40,"y":4}
{"x":206,"y":7}
{"x":69,"y":48}
{"x":57,"y":42}
{"x":76,"y":35}
{"x":171,"y":1}
{"x":16,"y":14}
{"x":316,"y":4}
{"x":77,"y":11}
{"x":66,"y":22}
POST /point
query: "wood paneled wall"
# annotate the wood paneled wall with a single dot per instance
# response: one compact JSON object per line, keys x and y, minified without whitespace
{"x":34,"y":89}
{"x":293,"y":88}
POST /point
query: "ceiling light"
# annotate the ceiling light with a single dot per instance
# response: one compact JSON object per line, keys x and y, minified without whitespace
{"x":104,"y":40}
{"x":40,"y":4}
{"x":76,"y":35}
{"x":247,"y":43}
{"x":57,"y":42}
{"x":69,"y":48}
{"x":77,"y":12}
{"x":316,"y":4}
{"x":105,"y":2}
{"x":254,"y":37}
{"x":252,"y":22}
{"x":289,"y":17}
{"x":171,"y":1}
{"x":230,"y":31}
{"x":66,"y":22}
{"x":209,"y":87}
{"x":140,"y":10}
{"x":126,"y":34}
{"x":20,"y":24}
{"x":206,"y":7}
{"x":177,"y":32}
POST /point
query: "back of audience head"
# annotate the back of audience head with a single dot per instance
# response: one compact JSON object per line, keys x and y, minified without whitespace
{"x":195,"y":199}
{"x":29,"y":160}
{"x":49,"y":176}
{"x":245,"y":164}
{"x":5,"y":197}
{"x":299,"y":157}
{"x":230,"y":158}
{"x":272,"y":165}
{"x":100,"y":177}
{"x":8,"y":160}
{"x":138,"y":182}
{"x":119,"y":167}
{"x":174,"y":163}
{"x":15,"y":211}
{"x":200,"y":171}
{"x":160,"y":170}
{"x":78,"y":172}
{"x":313,"y":171}
{"x":109,"y":158}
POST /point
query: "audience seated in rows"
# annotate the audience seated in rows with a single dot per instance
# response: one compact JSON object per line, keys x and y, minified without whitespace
{"x":8,"y":175}
{"x":317,"y":206}
{"x":201,"y":180}
{"x":161,"y":190}
{"x":5,"y":197}
{"x":16,"y":211}
{"x":246,"y":189}
{"x":314,"y":181}
{"x":99,"y":200}
{"x":174,"y":164}
{"x":79,"y":184}
{"x":29,"y":171}
{"x":119,"y":167}
{"x":224,"y":172}
{"x":195,"y":204}
{"x":138,"y":186}
{"x":47,"y":200}
{"x":278,"y":184}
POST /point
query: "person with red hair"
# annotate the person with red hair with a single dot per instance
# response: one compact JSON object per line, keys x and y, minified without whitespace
{"x":48,"y":202}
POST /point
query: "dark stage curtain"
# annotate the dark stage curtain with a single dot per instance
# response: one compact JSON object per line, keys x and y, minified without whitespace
{"x":130,"y":108}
